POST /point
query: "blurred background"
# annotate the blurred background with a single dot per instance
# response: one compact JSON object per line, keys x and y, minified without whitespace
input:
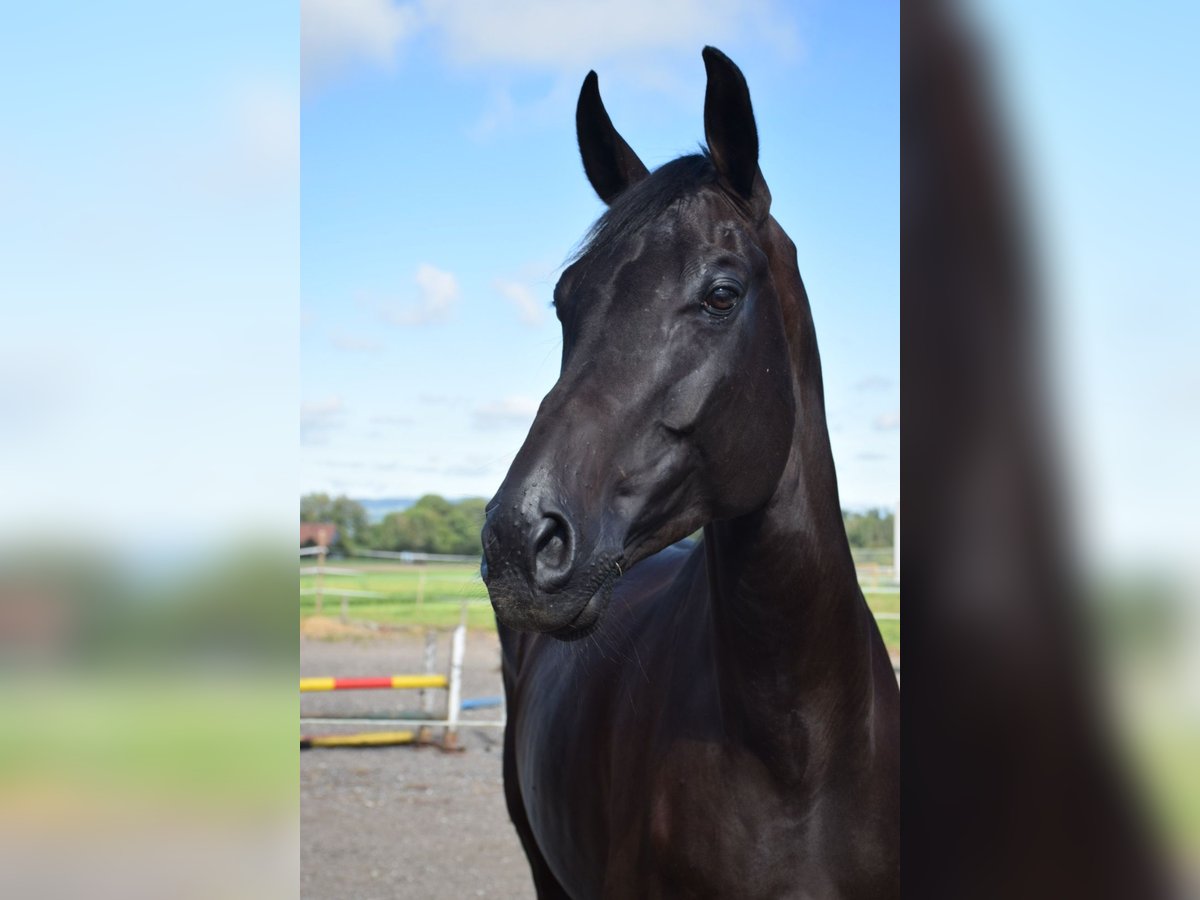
{"x":149,"y":274}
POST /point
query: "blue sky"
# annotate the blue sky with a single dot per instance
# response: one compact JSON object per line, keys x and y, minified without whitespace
{"x":442,"y":190}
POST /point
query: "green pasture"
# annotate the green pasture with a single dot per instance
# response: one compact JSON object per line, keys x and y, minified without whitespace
{"x":878,"y":556}
{"x":430,"y":596}
{"x":886,"y":602}
{"x":404,"y":581}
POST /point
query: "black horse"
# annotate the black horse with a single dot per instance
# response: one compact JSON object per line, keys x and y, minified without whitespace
{"x":712,"y":719}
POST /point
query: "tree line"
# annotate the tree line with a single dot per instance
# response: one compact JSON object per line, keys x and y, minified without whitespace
{"x":431,"y":525}
{"x":436,"y":525}
{"x":873,"y":528}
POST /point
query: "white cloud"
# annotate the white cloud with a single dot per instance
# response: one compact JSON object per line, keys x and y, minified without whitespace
{"x":474,"y":465}
{"x":501,"y":112}
{"x":438,"y":292}
{"x":342,"y":463}
{"x":530,"y":310}
{"x":888,"y":421}
{"x":337,"y":33}
{"x":268,"y":118}
{"x":249,"y":148}
{"x":510,"y":412}
{"x":873,"y":383}
{"x":443,"y":399}
{"x":37,"y":390}
{"x":318,"y":417}
{"x":553,"y":35}
{"x":393,"y":419}
{"x":558,"y":34}
{"x":321,"y":409}
{"x":353,"y":344}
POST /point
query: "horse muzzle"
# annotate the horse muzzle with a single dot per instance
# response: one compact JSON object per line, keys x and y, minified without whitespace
{"x":538,"y":579}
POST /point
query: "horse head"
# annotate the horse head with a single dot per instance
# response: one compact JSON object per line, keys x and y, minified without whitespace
{"x":675,"y":405}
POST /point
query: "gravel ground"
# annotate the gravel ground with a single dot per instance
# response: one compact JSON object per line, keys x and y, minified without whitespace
{"x":404,"y":821}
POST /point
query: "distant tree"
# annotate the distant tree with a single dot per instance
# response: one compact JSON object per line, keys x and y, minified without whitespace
{"x":348,"y":515}
{"x":872,"y":528}
{"x":466,"y":521}
{"x":434,"y":503}
{"x":432,"y":525}
{"x":314,"y":507}
{"x":436,"y":525}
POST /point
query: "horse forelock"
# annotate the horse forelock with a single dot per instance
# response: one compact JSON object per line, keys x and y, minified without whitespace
{"x":641,"y":203}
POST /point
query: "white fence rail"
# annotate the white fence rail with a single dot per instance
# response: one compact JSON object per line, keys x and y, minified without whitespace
{"x":411,"y":556}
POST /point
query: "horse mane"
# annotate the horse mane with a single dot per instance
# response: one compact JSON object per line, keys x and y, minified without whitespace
{"x":641,"y":203}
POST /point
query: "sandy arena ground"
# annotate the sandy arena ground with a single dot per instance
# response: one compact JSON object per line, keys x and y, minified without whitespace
{"x":404,"y":821}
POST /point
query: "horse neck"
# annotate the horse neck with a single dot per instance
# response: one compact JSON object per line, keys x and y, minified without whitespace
{"x":786,"y":598}
{"x":792,"y":632}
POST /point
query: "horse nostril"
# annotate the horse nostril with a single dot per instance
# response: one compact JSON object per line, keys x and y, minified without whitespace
{"x":488,"y":539}
{"x":552,"y":551}
{"x":550,"y":542}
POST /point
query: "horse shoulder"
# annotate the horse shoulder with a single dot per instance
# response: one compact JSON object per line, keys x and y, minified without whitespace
{"x":717,"y":823}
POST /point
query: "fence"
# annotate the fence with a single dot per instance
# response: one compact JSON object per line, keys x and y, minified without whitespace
{"x":425,"y":720}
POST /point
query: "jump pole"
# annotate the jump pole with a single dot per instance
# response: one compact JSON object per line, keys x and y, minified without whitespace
{"x":483,"y":702}
{"x":424,"y":734}
{"x":458,"y":646}
{"x":320,"y":570}
{"x":387,"y":682}
{"x":378,"y":739}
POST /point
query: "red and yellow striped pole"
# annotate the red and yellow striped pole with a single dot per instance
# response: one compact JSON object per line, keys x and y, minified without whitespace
{"x":389,"y":682}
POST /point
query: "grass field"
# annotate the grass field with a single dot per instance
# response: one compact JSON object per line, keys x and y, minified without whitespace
{"x":428,"y":595}
{"x":431,"y":596}
{"x":879,"y":556}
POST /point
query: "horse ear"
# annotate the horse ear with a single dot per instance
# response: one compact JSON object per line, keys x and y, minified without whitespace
{"x":731,"y":133}
{"x":610,"y":164}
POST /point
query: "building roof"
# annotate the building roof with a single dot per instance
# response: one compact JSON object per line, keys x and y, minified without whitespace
{"x":315,"y":533}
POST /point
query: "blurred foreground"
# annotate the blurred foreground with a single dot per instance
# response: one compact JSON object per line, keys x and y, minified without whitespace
{"x":1052,"y":697}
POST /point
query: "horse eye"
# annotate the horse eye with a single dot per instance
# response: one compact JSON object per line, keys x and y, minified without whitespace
{"x":721,"y":300}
